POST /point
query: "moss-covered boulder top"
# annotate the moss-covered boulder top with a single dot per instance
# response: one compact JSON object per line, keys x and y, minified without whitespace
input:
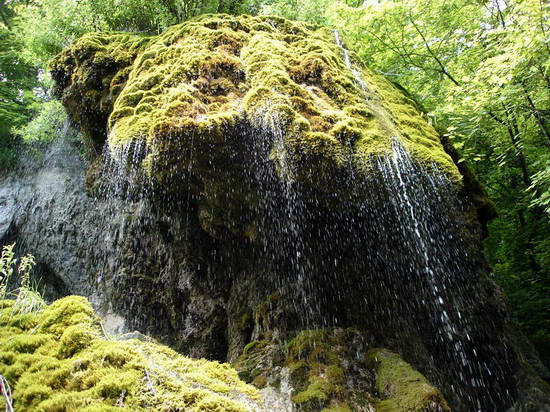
{"x":59,"y":359}
{"x":181,"y":97}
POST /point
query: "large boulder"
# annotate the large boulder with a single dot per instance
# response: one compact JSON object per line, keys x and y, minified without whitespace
{"x":257,"y":185}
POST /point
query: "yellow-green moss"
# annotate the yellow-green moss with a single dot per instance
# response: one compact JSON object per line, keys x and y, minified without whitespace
{"x":91,"y":74}
{"x":191,"y":86}
{"x":250,"y":346}
{"x":402,"y":388}
{"x":337,"y":409}
{"x":60,"y":361}
{"x":316,"y":392}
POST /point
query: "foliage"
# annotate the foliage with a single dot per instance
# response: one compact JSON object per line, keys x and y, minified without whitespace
{"x":17,"y":79}
{"x":7,"y":263}
{"x":58,"y":359}
{"x":48,"y":26}
{"x":46,"y":125}
{"x":298,"y":10}
{"x":27,"y":298}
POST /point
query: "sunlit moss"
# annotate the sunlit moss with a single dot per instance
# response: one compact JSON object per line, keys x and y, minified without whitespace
{"x":402,"y":388}
{"x":61,"y":362}
{"x":90,"y":76}
{"x":193,"y":84}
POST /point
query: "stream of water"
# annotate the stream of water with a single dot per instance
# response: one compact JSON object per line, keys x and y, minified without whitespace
{"x":438,"y":263}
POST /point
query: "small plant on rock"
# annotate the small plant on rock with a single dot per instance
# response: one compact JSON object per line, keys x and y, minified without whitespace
{"x":7,"y":263}
{"x":27,"y":299}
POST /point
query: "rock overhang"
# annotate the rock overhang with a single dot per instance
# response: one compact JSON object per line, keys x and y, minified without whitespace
{"x":183,"y":95}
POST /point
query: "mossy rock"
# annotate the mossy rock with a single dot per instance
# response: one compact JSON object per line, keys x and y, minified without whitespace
{"x":320,"y":365}
{"x":59,"y":360}
{"x":331,"y":370}
{"x":90,"y":76}
{"x":180,"y":99}
{"x":255,"y":362}
{"x":400,"y":387}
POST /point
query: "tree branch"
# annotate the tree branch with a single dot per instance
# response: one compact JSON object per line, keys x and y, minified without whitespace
{"x":434,"y":56}
{"x":536,"y":115}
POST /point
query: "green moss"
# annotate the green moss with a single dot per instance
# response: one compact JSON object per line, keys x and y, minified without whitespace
{"x":266,"y":314}
{"x":316,"y":392}
{"x":328,"y":374}
{"x":248,"y":365}
{"x":61,"y":362}
{"x":245,"y":321}
{"x":213,"y":404}
{"x":335,"y":376}
{"x":259,"y":381}
{"x":318,"y":363}
{"x":74,"y":339}
{"x":193,"y":84}
{"x":25,"y":344}
{"x":91,"y":74}
{"x":343,"y":408}
{"x":64,"y":313}
{"x":250,"y":346}
{"x":401,"y":387}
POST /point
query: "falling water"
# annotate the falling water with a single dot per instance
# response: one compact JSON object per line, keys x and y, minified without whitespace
{"x":121,"y":171}
{"x":347,"y":60}
{"x":436,"y":259}
{"x":395,"y":178}
{"x":387,"y":252}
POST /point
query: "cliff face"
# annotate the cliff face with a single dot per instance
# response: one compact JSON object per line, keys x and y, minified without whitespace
{"x":263,"y":200}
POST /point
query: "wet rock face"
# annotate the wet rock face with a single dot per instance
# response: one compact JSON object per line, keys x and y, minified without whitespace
{"x":150,"y":266}
{"x":248,"y":196}
{"x":121,"y":254}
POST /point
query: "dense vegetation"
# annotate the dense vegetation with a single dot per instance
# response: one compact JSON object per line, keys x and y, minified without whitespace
{"x":479,"y":69}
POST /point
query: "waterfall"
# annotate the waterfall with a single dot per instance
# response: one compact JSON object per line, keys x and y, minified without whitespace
{"x":435,"y":262}
{"x":383,"y":251}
